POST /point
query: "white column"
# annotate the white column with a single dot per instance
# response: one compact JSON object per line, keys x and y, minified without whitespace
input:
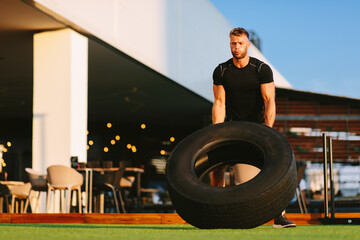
{"x":60,"y":98}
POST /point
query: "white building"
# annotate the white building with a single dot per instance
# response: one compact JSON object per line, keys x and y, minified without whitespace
{"x":130,"y":61}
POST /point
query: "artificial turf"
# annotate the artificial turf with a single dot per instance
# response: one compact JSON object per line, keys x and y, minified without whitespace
{"x":171,"y":232}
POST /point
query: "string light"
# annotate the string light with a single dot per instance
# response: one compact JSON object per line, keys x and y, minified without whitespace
{"x":5,"y":150}
{"x":87,"y":132}
{"x":106,"y":149}
{"x":162,"y":152}
{"x":112,"y":142}
{"x":117,"y":137}
{"x":172,"y":139}
{"x":143,"y":126}
{"x":91,"y":142}
{"x":128,"y":146}
{"x":87,"y":147}
{"x":8,"y":144}
{"x":133,"y":149}
{"x":109,"y":125}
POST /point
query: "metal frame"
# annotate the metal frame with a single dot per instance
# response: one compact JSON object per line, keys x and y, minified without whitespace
{"x":328,"y":174}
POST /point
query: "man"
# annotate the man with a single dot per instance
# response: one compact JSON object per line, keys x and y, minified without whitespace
{"x":244,"y":90}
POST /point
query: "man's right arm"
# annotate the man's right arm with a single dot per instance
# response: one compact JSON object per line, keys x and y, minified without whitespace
{"x":218,"y":110}
{"x":218,"y":116}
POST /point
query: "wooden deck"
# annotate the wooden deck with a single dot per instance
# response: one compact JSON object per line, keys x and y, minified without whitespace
{"x":138,"y":218}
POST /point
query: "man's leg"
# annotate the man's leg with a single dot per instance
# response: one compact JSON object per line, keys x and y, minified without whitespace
{"x":244,"y":173}
{"x":282,"y":222}
{"x":217,"y":178}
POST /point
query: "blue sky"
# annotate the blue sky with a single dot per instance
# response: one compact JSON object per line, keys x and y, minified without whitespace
{"x":314,"y":44}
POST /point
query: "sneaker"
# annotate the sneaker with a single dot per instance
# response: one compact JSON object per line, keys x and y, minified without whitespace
{"x":283,"y":222}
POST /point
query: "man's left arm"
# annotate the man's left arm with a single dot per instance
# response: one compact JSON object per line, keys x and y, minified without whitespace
{"x":268,"y":94}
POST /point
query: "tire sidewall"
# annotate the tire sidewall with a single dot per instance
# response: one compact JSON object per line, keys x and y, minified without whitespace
{"x":180,"y":169}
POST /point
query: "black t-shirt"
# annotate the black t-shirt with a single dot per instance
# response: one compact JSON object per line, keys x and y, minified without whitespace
{"x":244,"y":101}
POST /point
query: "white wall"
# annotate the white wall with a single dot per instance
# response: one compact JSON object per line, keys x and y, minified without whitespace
{"x":60,"y":98}
{"x":181,"y":39}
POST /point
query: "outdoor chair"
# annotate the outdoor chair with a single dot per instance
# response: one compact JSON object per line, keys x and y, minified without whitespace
{"x":38,"y":184}
{"x":127,"y":188}
{"x":300,"y":199}
{"x":106,"y":181}
{"x":20,"y":193}
{"x":4,"y":195}
{"x":66,"y":180}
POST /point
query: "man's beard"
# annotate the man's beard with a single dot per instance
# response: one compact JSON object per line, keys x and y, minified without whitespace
{"x":241,"y":56}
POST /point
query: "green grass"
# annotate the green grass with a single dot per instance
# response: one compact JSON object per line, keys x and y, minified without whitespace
{"x":171,"y":232}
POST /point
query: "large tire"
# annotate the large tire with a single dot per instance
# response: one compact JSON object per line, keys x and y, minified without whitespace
{"x":247,"y":205}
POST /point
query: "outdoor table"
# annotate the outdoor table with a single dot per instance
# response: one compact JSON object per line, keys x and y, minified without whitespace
{"x":89,"y":172}
{"x":10,"y":184}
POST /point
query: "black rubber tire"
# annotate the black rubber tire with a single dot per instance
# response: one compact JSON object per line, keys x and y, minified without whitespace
{"x":247,"y":205}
